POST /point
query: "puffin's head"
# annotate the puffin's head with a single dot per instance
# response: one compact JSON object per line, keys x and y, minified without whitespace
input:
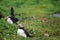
{"x":20,"y":26}
{"x":6,"y":18}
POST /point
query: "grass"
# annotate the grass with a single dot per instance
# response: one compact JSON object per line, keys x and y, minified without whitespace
{"x":34,"y":15}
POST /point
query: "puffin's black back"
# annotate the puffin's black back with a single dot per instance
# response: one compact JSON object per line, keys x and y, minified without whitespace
{"x":26,"y":33}
{"x":14,"y":19}
{"x":12,"y":12}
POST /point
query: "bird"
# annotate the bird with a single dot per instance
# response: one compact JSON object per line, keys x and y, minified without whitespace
{"x":22,"y":32}
{"x":11,"y":19}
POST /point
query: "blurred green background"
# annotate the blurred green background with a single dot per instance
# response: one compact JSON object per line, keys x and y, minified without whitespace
{"x":35,"y":16}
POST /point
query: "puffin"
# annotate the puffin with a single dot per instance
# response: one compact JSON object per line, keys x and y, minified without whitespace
{"x":11,"y":19}
{"x":22,"y":32}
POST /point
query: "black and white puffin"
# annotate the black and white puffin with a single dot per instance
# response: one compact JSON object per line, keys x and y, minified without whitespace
{"x":22,"y":32}
{"x":11,"y":19}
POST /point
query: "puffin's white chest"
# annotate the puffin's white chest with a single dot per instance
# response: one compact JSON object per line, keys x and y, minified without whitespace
{"x":21,"y":32}
{"x":9,"y":21}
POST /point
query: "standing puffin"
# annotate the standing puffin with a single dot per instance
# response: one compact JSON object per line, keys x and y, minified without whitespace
{"x":11,"y":19}
{"x":22,"y":32}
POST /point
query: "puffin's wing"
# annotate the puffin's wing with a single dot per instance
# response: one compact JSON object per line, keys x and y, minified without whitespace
{"x":27,"y":33}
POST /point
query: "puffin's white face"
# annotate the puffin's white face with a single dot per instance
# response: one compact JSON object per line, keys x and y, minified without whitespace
{"x":8,"y":20}
{"x":21,"y":25}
